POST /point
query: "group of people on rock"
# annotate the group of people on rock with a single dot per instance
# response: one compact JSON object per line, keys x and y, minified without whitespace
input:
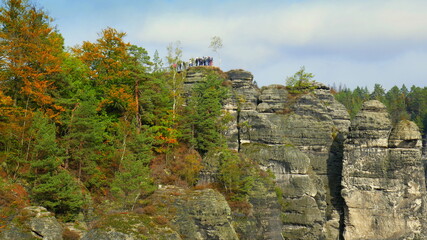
{"x":201,"y":61}
{"x":193,"y":62}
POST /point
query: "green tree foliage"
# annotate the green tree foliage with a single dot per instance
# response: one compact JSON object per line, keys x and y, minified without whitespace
{"x":300,"y":82}
{"x":353,"y":100}
{"x":401,"y":103}
{"x":417,"y":106}
{"x":203,"y":114}
{"x":87,"y":142}
{"x":378,"y":93}
{"x":52,"y":186}
{"x":236,"y":174}
{"x":395,"y":99}
{"x":133,"y":176}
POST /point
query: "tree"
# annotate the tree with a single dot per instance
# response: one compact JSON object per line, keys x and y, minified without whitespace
{"x":417,"y":107}
{"x":353,"y":100}
{"x":106,"y":58}
{"x":118,"y":69}
{"x":204,"y":112}
{"x":236,"y":174}
{"x":216,"y":45}
{"x":133,"y":176}
{"x":31,"y":55}
{"x":86,"y":142}
{"x":173,"y":58}
{"x":378,"y":93}
{"x":301,"y":81}
{"x":158,"y":63}
{"x":52,"y":186}
{"x":395,"y":101}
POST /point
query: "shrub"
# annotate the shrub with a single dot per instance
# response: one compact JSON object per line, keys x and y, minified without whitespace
{"x":67,"y":234}
{"x":161,"y":220}
{"x":149,"y":210}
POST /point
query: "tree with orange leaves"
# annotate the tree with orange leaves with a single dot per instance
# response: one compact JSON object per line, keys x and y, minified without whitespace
{"x":118,"y":69}
{"x":30,"y":56}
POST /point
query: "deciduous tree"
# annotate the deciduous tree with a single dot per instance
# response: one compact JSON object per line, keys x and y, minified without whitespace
{"x":30,"y":53}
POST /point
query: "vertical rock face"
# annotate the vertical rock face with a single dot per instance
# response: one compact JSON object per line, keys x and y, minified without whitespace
{"x":331,"y":182}
{"x":299,"y":139}
{"x":383,"y":178}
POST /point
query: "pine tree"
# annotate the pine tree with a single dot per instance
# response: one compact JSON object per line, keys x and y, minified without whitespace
{"x":204,"y":114}
{"x":395,"y":101}
{"x":52,"y":186}
{"x":87,"y":147}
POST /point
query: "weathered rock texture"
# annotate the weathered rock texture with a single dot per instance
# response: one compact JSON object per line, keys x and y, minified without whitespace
{"x":383,"y":178}
{"x":33,"y":223}
{"x":197,"y":214}
{"x":373,"y":174}
{"x":299,"y":138}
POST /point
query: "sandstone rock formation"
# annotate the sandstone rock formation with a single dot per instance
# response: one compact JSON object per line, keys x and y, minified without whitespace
{"x":299,"y":138}
{"x":33,"y":223}
{"x":383,"y":178}
{"x":197,"y":214}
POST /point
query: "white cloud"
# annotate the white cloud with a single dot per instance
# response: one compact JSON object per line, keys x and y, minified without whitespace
{"x":337,"y":40}
{"x":332,"y":25}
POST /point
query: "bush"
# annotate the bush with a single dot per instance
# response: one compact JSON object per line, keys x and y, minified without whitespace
{"x":161,"y":220}
{"x":67,"y":234}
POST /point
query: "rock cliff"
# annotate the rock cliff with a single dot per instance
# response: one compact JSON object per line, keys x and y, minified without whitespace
{"x":299,"y":138}
{"x":383,"y":178}
{"x":334,"y":178}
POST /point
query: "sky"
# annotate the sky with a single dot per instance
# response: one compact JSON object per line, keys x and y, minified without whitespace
{"x":342,"y":42}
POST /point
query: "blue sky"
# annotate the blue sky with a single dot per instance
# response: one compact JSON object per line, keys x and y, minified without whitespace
{"x":348,"y":42}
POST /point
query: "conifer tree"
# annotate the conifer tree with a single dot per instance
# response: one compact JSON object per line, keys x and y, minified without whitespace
{"x":52,"y":186}
{"x":133,"y":176}
{"x":204,"y":114}
{"x":87,"y":142}
{"x":395,"y":101}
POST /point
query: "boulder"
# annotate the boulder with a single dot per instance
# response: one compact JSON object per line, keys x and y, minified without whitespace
{"x":405,"y":134}
{"x":196,"y":214}
{"x":33,"y":222}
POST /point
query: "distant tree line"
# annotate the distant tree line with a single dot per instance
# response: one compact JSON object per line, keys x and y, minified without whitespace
{"x":402,"y":103}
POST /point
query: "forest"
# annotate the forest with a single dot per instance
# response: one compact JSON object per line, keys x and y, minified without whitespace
{"x":402,"y":103}
{"x":100,"y":121}
{"x":105,"y":121}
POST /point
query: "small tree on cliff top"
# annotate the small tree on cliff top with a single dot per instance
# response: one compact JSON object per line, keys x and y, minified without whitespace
{"x":216,"y":44}
{"x":300,"y":82}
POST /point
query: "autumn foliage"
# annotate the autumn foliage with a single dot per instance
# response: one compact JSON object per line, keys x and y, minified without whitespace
{"x":99,"y":121}
{"x":31,"y":56}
